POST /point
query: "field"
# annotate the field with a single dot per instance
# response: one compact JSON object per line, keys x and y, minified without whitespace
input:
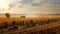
{"x":28,"y":23}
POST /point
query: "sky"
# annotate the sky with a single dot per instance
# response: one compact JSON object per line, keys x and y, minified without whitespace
{"x":31,"y":6}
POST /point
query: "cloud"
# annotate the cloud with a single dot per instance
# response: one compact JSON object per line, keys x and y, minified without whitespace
{"x":14,"y":1}
{"x":35,"y":7}
{"x":45,"y":9}
{"x":36,"y":1}
{"x":27,"y":1}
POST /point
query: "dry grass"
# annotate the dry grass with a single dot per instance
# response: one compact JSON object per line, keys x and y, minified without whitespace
{"x":18,"y":19}
{"x":26,"y":20}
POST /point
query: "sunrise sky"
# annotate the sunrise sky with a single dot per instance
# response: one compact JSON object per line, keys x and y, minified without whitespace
{"x":30,"y":6}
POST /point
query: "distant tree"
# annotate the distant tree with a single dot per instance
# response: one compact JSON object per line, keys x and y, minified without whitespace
{"x":22,"y":16}
{"x":7,"y":15}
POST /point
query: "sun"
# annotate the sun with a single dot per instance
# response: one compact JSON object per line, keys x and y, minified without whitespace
{"x":4,"y":4}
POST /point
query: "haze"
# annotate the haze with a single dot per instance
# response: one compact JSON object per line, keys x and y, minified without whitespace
{"x":32,"y":7}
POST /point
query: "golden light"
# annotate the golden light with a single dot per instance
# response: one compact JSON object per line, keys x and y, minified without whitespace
{"x":6,"y":11}
{"x":4,"y":5}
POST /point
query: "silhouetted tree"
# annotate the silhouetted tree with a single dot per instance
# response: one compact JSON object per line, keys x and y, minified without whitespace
{"x":7,"y":15}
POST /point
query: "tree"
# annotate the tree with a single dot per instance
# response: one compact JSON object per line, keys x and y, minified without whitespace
{"x":7,"y":15}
